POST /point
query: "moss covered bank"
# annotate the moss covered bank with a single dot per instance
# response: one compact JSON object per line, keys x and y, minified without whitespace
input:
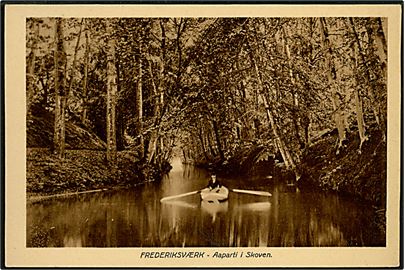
{"x":84,"y":166}
{"x":83,"y":170}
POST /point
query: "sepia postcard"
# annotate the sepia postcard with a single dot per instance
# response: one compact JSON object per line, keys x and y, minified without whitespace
{"x":203,"y":135}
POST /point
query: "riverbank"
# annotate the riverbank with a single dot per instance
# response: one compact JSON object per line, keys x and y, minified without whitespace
{"x":361,"y":175}
{"x":351,"y":172}
{"x":81,"y":171}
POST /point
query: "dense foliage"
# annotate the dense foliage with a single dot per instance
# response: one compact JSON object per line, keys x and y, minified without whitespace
{"x":214,"y":86}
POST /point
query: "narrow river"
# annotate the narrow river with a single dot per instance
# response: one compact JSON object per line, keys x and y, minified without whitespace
{"x":136,"y":218}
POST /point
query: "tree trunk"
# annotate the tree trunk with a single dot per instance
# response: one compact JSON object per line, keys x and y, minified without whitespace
{"x":45,"y":85}
{"x":139,"y":103}
{"x":358,"y":102}
{"x":184,"y":155}
{"x":73,"y":69}
{"x":289,"y":162}
{"x":156,"y":140}
{"x":218,"y":139}
{"x":60,"y":91}
{"x":210,"y":146}
{"x":120,"y":114}
{"x":31,"y":67}
{"x":206,"y":142}
{"x":295,"y":111}
{"x":200,"y":136}
{"x":244,"y":131}
{"x":179,"y":30}
{"x":86,"y":70}
{"x":44,"y":100}
{"x":381,"y":44}
{"x":373,"y":96}
{"x":360,"y":118}
{"x":279,"y":142}
{"x":154,"y":136}
{"x":111,"y":98}
{"x":338,"y":114}
{"x":285,"y":153}
{"x":162,"y":69}
{"x":152,"y":149}
{"x":155,"y":94}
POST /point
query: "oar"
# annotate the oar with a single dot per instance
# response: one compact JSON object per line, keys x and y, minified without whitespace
{"x":179,"y":196}
{"x":252,"y":192}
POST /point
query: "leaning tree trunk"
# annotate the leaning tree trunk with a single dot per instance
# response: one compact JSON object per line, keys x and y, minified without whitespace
{"x":338,"y":114}
{"x":285,"y":153}
{"x":111,"y":98}
{"x":359,"y":112}
{"x":279,"y":142}
{"x":60,"y":91}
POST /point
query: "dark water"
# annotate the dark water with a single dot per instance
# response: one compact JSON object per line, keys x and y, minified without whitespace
{"x":135,"y":218}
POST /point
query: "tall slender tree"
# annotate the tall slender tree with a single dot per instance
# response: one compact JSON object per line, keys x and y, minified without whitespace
{"x":358,"y":101}
{"x":111,"y":96}
{"x":381,"y":44}
{"x":139,"y":102}
{"x":73,"y":67}
{"x":338,"y":113}
{"x":60,"y":91}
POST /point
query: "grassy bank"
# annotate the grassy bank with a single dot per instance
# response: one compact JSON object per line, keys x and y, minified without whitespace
{"x":82,"y":170}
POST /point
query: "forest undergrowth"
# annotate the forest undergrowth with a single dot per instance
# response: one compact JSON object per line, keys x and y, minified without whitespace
{"x":352,"y":172}
{"x":84,"y":166}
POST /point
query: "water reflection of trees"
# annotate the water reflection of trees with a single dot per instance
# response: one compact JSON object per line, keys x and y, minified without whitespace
{"x":312,"y":219}
{"x":126,"y":218}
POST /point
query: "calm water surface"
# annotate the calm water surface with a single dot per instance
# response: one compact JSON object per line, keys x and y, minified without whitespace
{"x":136,"y":218}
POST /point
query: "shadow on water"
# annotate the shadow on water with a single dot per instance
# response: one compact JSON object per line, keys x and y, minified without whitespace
{"x":136,"y":218}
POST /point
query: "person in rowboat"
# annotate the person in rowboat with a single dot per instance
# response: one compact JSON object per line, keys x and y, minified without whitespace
{"x":214,"y":184}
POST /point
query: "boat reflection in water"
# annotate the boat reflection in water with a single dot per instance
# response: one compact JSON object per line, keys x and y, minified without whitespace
{"x":136,"y":218}
{"x":214,"y":208}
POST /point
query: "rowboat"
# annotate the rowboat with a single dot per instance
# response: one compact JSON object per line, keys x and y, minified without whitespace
{"x":214,"y":195}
